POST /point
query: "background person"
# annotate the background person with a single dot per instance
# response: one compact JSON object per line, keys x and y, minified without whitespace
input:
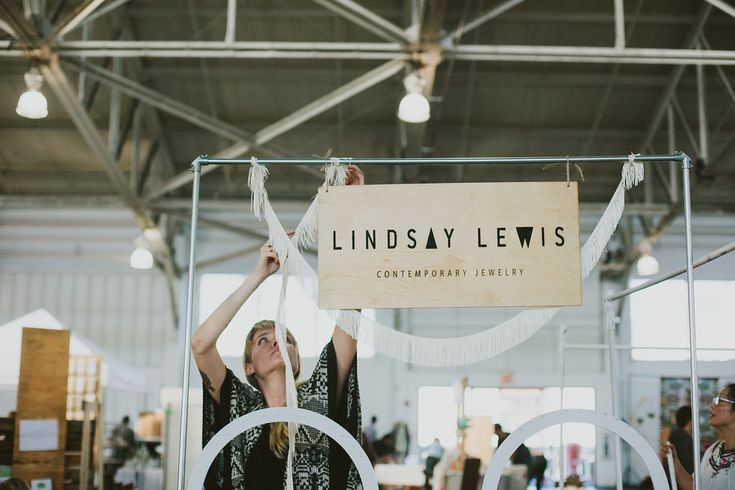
{"x":717,"y":468}
{"x":681,"y":438}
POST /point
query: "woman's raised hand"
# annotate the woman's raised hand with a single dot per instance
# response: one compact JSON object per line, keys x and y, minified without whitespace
{"x":268,"y":262}
{"x":354,"y":175}
{"x":667,"y":448}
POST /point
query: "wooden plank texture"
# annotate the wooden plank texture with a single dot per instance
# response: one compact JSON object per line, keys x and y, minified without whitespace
{"x":42,"y":384}
{"x":449,"y":245}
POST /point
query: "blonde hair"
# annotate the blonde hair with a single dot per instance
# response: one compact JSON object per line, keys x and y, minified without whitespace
{"x":278,"y":440}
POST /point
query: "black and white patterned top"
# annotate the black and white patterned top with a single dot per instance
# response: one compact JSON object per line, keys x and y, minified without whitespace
{"x":318,"y":463}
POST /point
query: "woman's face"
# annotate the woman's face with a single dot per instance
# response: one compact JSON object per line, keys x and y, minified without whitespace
{"x":722,"y":415}
{"x":265,"y":356}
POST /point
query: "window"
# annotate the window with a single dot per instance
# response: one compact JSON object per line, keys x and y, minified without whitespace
{"x":659,"y":318}
{"x":311,"y":326}
{"x":510,"y":407}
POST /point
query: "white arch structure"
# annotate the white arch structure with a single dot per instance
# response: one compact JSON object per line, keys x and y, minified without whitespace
{"x":284,"y":414}
{"x":614,"y":425}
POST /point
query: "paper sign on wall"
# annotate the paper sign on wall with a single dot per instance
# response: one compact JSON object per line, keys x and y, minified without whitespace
{"x":449,"y":245}
{"x":38,"y":435}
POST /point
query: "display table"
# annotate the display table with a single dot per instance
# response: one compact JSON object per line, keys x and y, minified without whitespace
{"x":145,"y":479}
{"x":402,"y":475}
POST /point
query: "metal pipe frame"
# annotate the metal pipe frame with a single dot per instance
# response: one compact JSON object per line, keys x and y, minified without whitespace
{"x":186,"y":354}
{"x":670,"y":275}
{"x":694,"y":392}
{"x":686,"y":165}
{"x":676,"y":157}
{"x":202,"y":161}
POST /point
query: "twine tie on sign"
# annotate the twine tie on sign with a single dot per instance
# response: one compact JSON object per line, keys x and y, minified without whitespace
{"x":568,"y":169}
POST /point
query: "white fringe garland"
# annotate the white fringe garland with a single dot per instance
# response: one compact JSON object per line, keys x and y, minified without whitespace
{"x":445,"y":352}
{"x":291,"y":395}
{"x":307,"y":231}
{"x":280,"y":242}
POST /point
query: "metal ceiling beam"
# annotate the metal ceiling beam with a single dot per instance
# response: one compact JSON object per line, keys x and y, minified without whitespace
{"x":482,"y":19}
{"x":65,"y":94}
{"x":584,"y":54}
{"x":75,"y":18}
{"x":165,"y":103}
{"x":724,"y":6}
{"x":508,"y":53}
{"x":428,"y":57}
{"x":723,"y":77}
{"x":4,"y":26}
{"x":23,"y":30}
{"x":322,"y":104}
{"x":619,"y":25}
{"x":366,"y":19}
{"x":702,"y":114}
{"x":668,"y":91}
{"x":58,"y":82}
{"x":188,"y":46}
{"x":103,"y":11}
{"x":225,"y":257}
{"x":665,"y":100}
{"x":231,"y":21}
{"x":184,"y":215}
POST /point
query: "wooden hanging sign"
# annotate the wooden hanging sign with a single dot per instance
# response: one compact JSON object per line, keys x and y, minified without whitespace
{"x":449,"y":245}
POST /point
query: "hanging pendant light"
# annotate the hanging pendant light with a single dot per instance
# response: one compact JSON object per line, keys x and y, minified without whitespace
{"x":32,"y":103}
{"x":141,"y":258}
{"x":414,"y":107}
{"x":647,"y":264}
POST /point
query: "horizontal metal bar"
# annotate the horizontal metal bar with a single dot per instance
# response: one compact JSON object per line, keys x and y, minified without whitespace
{"x":226,"y":53}
{"x":584,"y":54}
{"x":699,"y":262}
{"x":237,"y":45}
{"x":677,"y":157}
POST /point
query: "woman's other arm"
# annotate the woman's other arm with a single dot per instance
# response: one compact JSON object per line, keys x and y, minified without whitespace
{"x":683,"y":479}
{"x":204,"y":340}
{"x":345,"y":347}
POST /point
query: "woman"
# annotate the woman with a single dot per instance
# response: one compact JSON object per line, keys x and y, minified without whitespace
{"x":257,"y":458}
{"x":717,"y":469}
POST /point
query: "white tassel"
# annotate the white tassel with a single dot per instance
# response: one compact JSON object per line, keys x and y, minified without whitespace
{"x":256,"y":182}
{"x":632,"y":171}
{"x":444,"y":352}
{"x":335,"y":172}
{"x":307,"y":232}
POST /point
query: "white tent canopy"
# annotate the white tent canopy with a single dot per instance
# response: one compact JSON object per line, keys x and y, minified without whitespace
{"x":115,"y":373}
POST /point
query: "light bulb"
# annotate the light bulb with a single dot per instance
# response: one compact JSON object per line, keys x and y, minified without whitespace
{"x":414,"y":108}
{"x":32,"y":104}
{"x":647,"y":265}
{"x":141,"y":258}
